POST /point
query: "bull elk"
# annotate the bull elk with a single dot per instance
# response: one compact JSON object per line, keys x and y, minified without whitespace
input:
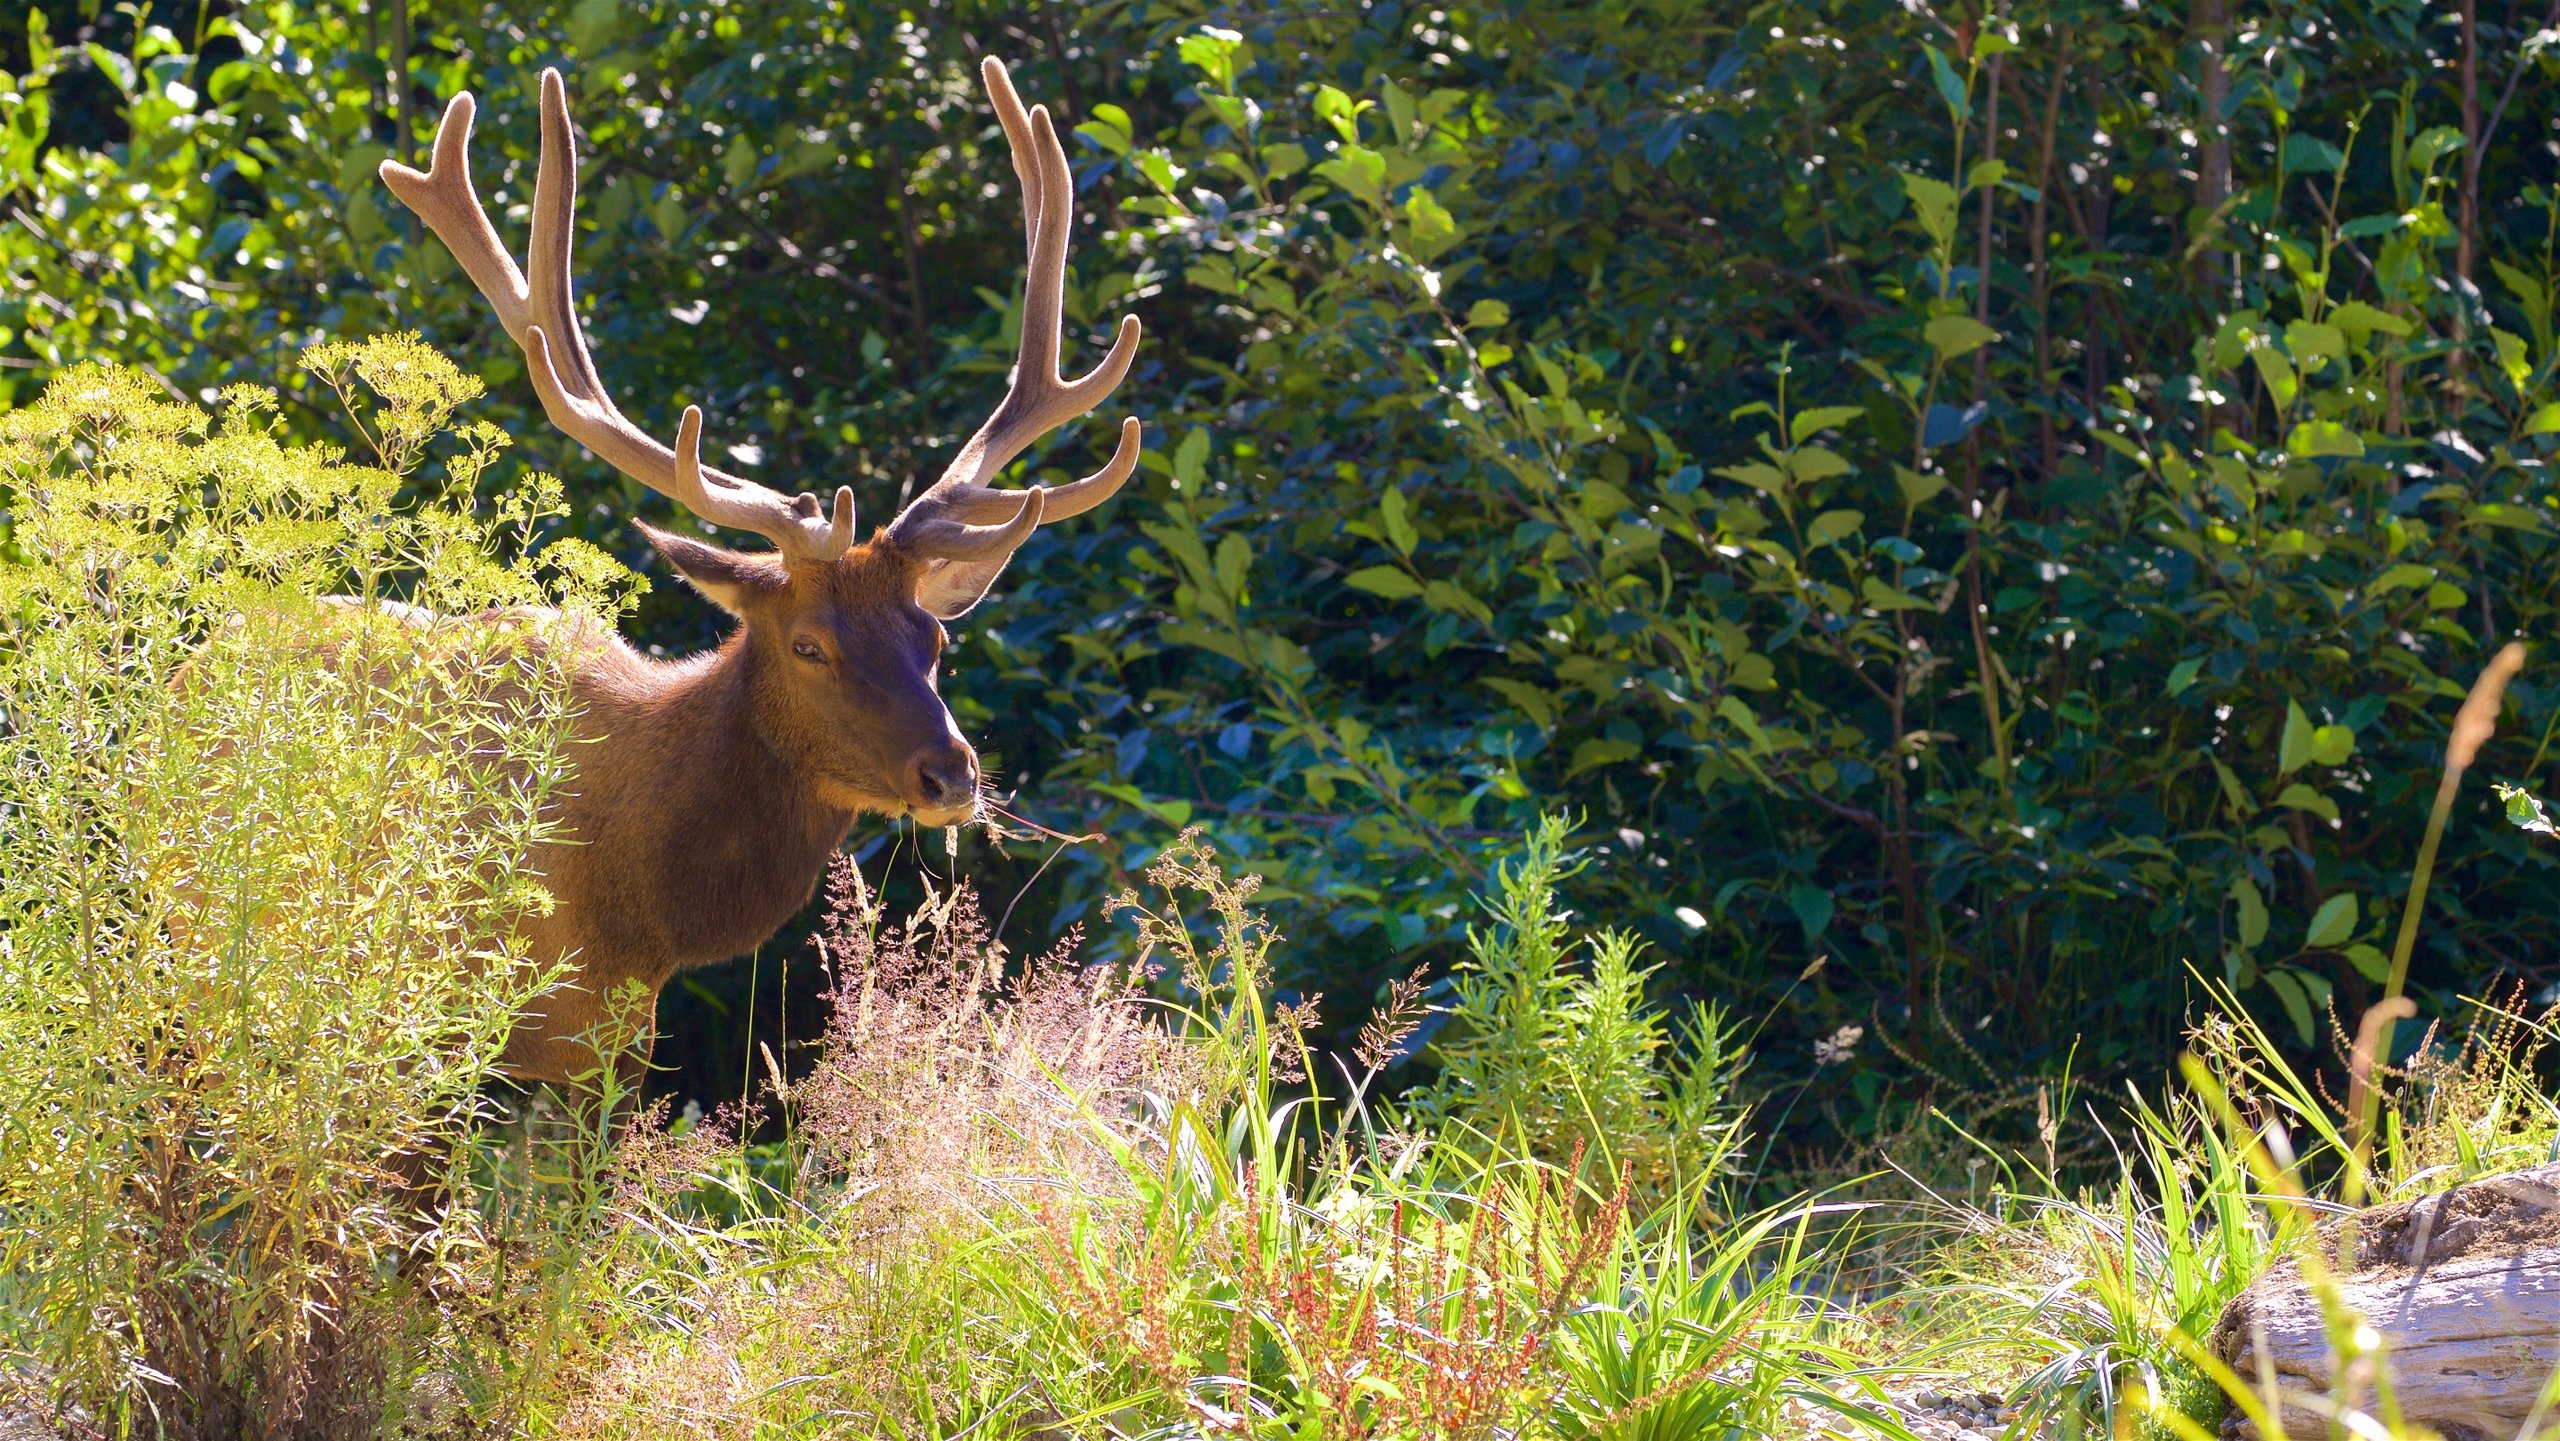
{"x":714,"y":788}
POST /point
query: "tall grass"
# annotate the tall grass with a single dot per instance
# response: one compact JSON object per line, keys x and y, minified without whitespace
{"x":259,"y":860}
{"x":1111,"y":1201}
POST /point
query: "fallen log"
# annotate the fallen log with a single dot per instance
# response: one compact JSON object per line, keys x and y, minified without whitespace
{"x":2462,"y":1286}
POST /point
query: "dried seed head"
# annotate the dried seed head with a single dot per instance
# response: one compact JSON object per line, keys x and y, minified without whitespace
{"x":2478,"y":718}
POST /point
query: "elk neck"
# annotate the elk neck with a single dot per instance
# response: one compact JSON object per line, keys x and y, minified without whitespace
{"x":728,"y":838}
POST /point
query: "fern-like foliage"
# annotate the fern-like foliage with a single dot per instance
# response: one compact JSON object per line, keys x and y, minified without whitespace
{"x":1553,"y":1046}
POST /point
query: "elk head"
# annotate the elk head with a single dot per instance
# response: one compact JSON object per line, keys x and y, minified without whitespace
{"x":842,"y":641}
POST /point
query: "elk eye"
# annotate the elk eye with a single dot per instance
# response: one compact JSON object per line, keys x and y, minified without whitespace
{"x":807,"y":650}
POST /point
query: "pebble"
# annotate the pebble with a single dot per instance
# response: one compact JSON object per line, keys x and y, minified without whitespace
{"x":1940,"y":1413}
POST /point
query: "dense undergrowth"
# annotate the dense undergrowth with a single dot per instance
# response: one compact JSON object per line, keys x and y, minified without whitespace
{"x":1982,"y":517}
{"x":1998,"y":498}
{"x":254,"y":1180}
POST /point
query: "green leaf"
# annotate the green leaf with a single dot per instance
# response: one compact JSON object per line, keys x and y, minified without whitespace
{"x":2407,"y":575}
{"x":1235,"y":557}
{"x":1533,"y":702}
{"x":1600,"y":751}
{"x":2369,"y":962}
{"x":2297,"y":1006}
{"x":2183,"y":674}
{"x":1551,"y":375}
{"x":2331,"y":924}
{"x":2331,"y":745}
{"x":1214,"y":52}
{"x":2360,"y":320}
{"x":2432,"y":145}
{"x":2277,"y":372}
{"x":2544,"y":420}
{"x":2524,"y":810}
{"x":2300,"y":797}
{"x":1449,"y":596}
{"x":2253,"y":911}
{"x":1487,"y":312}
{"x":1212,"y":640}
{"x":1917,"y":489}
{"x":1109,"y":128}
{"x":1337,"y":109}
{"x":667,"y":214}
{"x":1804,"y":425}
{"x":1383,"y":582}
{"x":1493,"y":355}
{"x":1813,"y":908}
{"x":1831,"y":525}
{"x":2293,"y":752}
{"x":1191,"y":458}
{"x":2314,"y":438}
{"x":1429,"y":228}
{"x":1887,"y":598}
{"x":1950,"y":87}
{"x":2311,"y":340}
{"x":1360,"y":171}
{"x":1401,"y":112}
{"x":2528,"y":291}
{"x":1935,"y":200}
{"x":2234,"y":794}
{"x":1954,"y":335}
{"x":2311,"y":153}
{"x":1812,"y":462}
{"x":1400,"y":532}
{"x":1758,"y":475}
{"x":1736,"y":713}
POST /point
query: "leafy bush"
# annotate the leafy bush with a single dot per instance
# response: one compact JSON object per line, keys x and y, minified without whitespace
{"x":257,"y":877}
{"x":1973,"y":499}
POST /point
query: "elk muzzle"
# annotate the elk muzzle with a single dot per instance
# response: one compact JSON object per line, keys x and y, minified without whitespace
{"x":941,"y":783}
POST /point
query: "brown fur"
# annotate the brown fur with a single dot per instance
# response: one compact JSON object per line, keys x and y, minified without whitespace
{"x":712,"y":790}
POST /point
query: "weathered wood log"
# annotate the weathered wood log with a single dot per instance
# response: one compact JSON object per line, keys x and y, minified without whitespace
{"x":2464,"y":1288}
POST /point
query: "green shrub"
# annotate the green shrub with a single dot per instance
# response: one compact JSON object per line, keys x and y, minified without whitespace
{"x":1543,"y":1059}
{"x":258,"y":871}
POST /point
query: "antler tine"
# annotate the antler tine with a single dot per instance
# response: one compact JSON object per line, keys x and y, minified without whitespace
{"x":444,"y":198}
{"x":1039,"y":400}
{"x":537,"y":306}
{"x":944,"y":538}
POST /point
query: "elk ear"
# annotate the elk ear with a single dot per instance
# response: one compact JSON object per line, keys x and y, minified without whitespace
{"x":949,"y":588}
{"x":732,"y":579}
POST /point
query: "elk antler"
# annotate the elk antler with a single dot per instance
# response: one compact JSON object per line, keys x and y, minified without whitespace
{"x":941,"y":524}
{"x":544,"y":323}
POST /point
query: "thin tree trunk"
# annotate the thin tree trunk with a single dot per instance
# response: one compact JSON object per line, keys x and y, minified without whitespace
{"x":402,"y":101}
{"x":2467,"y":228}
{"x":905,"y":216}
{"x":1067,"y":87}
{"x":2210,"y":27}
{"x":2208,"y":24}
{"x":1986,"y":673}
{"x":2048,"y":434}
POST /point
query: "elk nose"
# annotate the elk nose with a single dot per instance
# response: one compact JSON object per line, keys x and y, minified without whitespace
{"x":946,"y":779}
